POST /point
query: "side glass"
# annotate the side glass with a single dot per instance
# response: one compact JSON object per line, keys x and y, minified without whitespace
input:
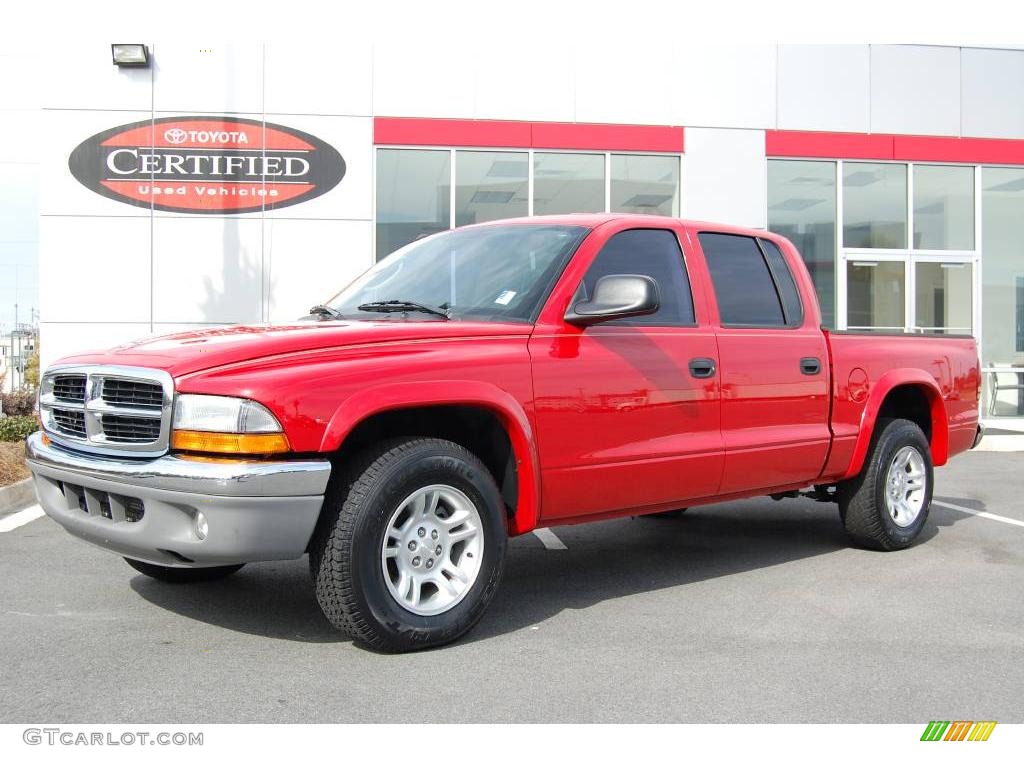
{"x":875,"y":295}
{"x":567,"y":183}
{"x":490,"y":185}
{"x":1002,"y":292}
{"x":645,"y":184}
{"x":943,"y":297}
{"x":413,"y":196}
{"x":944,"y":207}
{"x":802,"y":208}
{"x":874,"y":205}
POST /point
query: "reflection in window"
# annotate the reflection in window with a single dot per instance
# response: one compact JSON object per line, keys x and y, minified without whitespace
{"x":875,"y":295}
{"x":413,"y":196}
{"x":567,"y":183}
{"x":645,"y":184}
{"x":1002,"y":291}
{"x":802,"y":208}
{"x":944,"y":207}
{"x":489,"y":186}
{"x":942,"y":301}
{"x":874,"y":205}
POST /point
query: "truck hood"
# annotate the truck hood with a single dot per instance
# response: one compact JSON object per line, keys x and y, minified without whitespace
{"x":181,"y":354}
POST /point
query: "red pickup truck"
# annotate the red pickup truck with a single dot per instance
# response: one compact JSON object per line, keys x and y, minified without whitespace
{"x":483,"y":382}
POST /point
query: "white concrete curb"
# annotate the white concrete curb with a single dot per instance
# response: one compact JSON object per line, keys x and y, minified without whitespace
{"x":17,"y":496}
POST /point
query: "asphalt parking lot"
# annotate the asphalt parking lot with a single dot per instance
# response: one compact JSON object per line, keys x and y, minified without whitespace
{"x":741,"y":612}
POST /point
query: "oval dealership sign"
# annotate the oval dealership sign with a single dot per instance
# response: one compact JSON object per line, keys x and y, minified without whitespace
{"x":207,"y":165}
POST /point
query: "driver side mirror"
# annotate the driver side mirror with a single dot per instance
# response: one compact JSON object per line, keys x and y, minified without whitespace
{"x":616,"y":297}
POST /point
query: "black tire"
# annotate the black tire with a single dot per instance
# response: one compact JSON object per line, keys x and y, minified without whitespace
{"x":173,"y":575}
{"x":672,"y":514}
{"x":345,"y":553}
{"x":862,"y":500}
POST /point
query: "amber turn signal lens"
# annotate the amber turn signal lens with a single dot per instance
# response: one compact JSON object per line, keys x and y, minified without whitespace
{"x":228,"y":442}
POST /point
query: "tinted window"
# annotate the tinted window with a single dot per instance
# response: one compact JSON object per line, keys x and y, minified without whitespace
{"x":784,"y":281}
{"x":651,"y":252}
{"x":743,"y":285}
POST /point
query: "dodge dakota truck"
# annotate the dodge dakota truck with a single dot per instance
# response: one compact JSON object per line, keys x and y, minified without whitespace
{"x":481,"y":383}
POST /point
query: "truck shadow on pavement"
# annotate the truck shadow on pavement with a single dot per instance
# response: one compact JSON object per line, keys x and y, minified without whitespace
{"x":603,"y":561}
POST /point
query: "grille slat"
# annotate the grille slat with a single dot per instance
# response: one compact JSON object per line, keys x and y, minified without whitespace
{"x":69,"y":388}
{"x":130,"y":429}
{"x":70,"y":422}
{"x":132,"y":394}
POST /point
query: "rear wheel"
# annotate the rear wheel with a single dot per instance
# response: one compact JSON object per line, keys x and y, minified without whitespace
{"x":411,"y":546}
{"x":183,"y":575}
{"x":886,"y":506}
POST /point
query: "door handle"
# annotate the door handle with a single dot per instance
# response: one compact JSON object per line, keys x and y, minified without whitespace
{"x":702,"y":367}
{"x":810,"y":366}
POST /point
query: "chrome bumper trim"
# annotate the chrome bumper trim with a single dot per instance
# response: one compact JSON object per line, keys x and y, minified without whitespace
{"x":297,"y":477}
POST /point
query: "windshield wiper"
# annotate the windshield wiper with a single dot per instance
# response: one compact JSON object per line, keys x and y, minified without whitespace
{"x":324,"y":311}
{"x":398,"y":305}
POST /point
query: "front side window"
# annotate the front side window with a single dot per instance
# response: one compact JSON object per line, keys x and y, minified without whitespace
{"x":500,"y":272}
{"x":651,"y":252}
{"x":744,"y":288}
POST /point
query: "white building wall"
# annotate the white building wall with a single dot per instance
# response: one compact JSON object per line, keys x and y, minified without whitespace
{"x":110,"y":272}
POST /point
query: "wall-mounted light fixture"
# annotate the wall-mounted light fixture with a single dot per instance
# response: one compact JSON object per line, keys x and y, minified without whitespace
{"x":130,"y":54}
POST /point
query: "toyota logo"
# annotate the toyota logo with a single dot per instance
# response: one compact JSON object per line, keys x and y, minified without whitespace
{"x":175,"y":135}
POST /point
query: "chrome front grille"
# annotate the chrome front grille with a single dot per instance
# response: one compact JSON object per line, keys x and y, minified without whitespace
{"x":108,"y":409}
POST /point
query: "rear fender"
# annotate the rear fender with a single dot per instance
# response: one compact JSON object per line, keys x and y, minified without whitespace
{"x":506,"y":408}
{"x":869,"y":418}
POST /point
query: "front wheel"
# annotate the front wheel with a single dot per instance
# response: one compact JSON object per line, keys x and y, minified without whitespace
{"x":886,"y":506}
{"x":411,"y":545}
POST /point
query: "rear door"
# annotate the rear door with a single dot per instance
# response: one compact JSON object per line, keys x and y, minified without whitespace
{"x":625,"y":416}
{"x":773,"y":363}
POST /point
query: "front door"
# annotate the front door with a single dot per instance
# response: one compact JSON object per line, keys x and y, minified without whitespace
{"x":626,"y":415}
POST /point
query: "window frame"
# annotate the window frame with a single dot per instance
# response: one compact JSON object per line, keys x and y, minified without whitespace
{"x":788,"y":325}
{"x":638,"y":322}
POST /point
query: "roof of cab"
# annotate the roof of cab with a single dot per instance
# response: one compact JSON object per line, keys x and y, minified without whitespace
{"x":592,"y":220}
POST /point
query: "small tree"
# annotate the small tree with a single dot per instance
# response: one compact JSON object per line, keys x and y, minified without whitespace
{"x":32,"y":370}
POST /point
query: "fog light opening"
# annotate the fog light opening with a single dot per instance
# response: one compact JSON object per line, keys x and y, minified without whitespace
{"x":202,"y":526}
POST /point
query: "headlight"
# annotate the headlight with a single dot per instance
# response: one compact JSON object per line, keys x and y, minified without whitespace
{"x":215,"y":424}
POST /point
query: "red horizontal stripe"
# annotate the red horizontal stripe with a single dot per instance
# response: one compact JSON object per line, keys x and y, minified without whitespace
{"x":885,"y":146}
{"x":416,"y":131}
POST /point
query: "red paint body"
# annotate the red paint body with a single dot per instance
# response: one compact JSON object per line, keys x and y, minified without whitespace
{"x":603,"y":421}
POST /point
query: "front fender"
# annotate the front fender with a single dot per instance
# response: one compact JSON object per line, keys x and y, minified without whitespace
{"x":869,"y":417}
{"x":369,"y":402}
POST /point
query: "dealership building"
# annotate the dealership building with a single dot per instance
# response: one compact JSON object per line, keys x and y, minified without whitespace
{"x":243,"y":184}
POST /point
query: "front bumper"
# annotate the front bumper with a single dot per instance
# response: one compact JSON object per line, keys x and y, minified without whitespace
{"x":255,"y":510}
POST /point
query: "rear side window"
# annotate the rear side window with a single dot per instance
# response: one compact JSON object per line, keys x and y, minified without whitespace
{"x":744,"y":287}
{"x":784,"y":282}
{"x":651,"y":252}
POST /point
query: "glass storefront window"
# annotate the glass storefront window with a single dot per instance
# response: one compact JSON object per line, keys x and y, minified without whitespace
{"x":944,"y":207}
{"x":490,"y":185}
{"x":1002,"y":292}
{"x":802,"y":208}
{"x":876,"y":293}
{"x":413,"y":196}
{"x":645,"y":184}
{"x":942,"y":294}
{"x":874,"y":205}
{"x":567,"y":183}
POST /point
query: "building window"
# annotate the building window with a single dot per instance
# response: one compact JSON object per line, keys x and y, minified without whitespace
{"x":802,"y":208}
{"x":943,"y":297}
{"x":944,"y":207}
{"x":565,"y":182}
{"x":490,"y":185}
{"x":874,"y":205}
{"x":875,"y":295}
{"x":413,"y":196}
{"x":1002,"y":292}
{"x":645,"y":184}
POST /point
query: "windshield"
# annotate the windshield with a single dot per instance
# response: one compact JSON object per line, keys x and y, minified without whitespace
{"x":497,"y":272}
